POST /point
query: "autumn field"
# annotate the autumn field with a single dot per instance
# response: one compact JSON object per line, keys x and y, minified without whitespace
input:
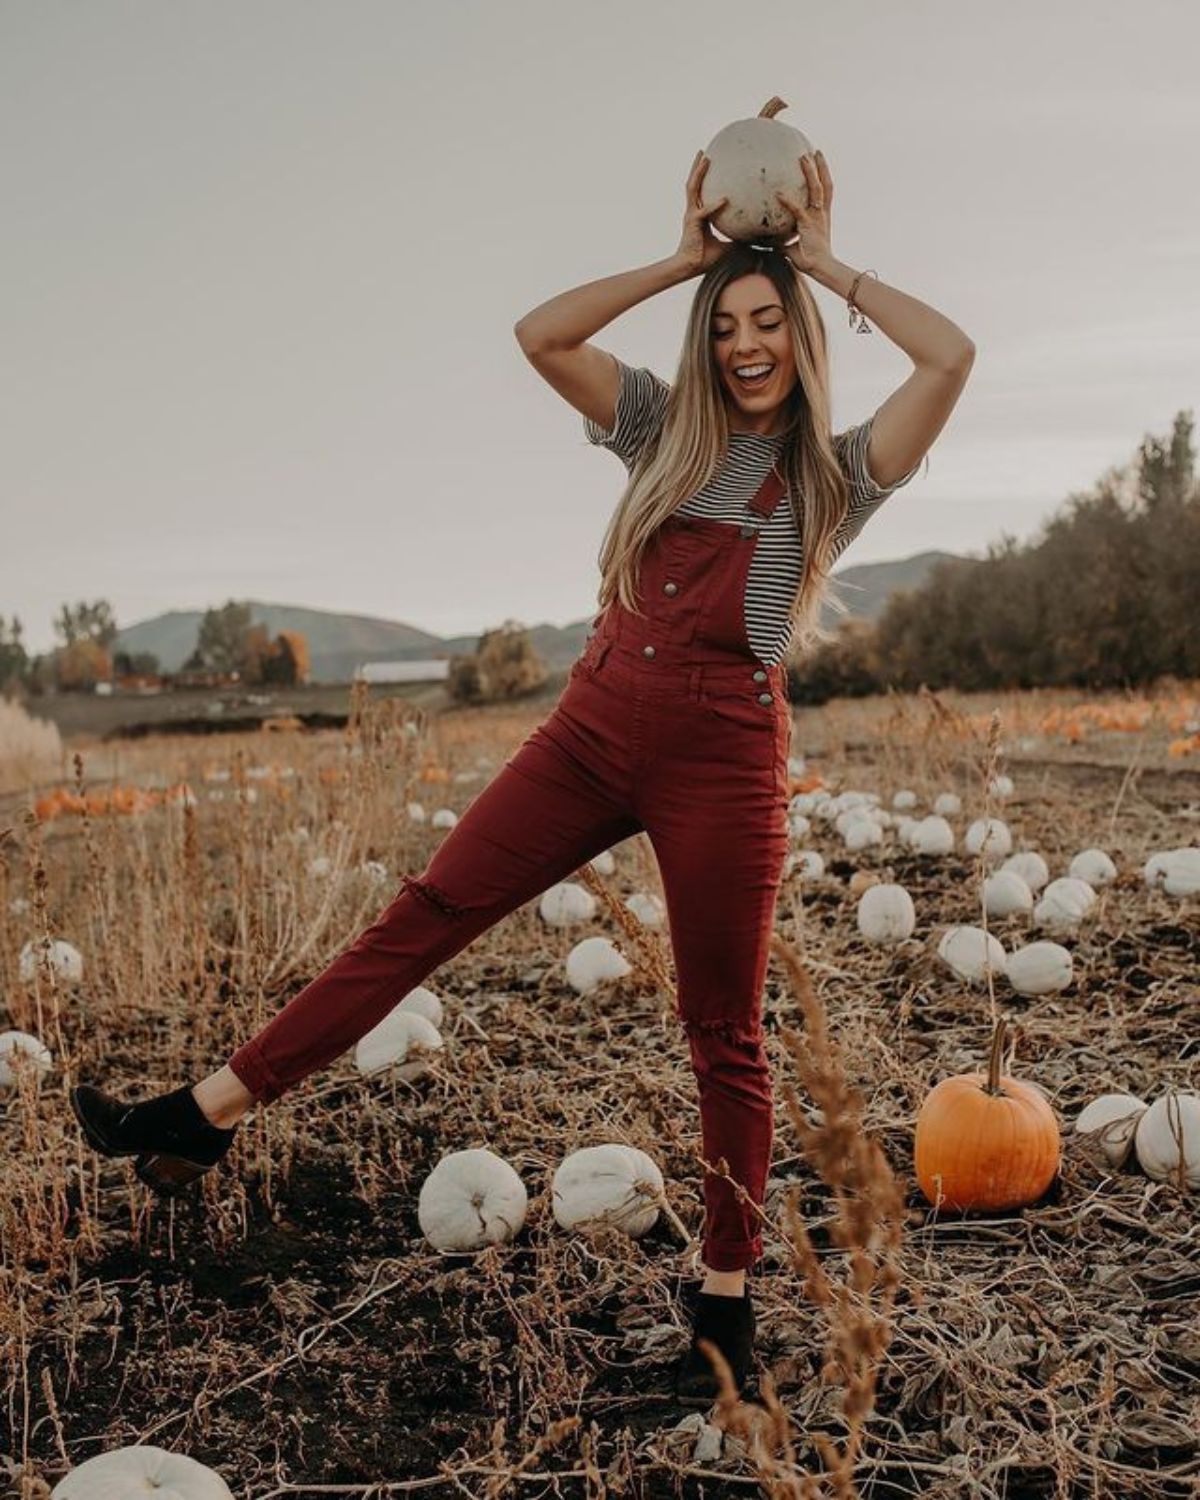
{"x":291,"y":1326}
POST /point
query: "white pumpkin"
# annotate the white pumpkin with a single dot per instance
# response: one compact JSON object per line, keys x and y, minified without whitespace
{"x":1030,"y":866}
{"x":970,"y":952}
{"x":135,"y":1472}
{"x":471,"y":1199}
{"x":947,"y":804}
{"x":423,"y":1002}
{"x":886,"y":914}
{"x":805,"y":803}
{"x":1093,"y":866}
{"x":1113,"y":1119}
{"x":1001,"y":787}
{"x":863,"y":833}
{"x":566,"y":903}
{"x":65,"y":960}
{"x":749,"y":162}
{"x":1175,"y":871}
{"x":932,"y":836}
{"x":1168,"y":1139}
{"x":34,"y":1056}
{"x":989,"y":837}
{"x":444,"y":817}
{"x":647,"y":908}
{"x":320,"y":866}
{"x":807,"y":863}
{"x":904,"y":800}
{"x":416,"y":812}
{"x":18,"y":906}
{"x":604,"y":863}
{"x":594,"y":962}
{"x":800,"y":826}
{"x":904,"y":826}
{"x":1039,"y":968}
{"x":1005,"y":894}
{"x":1065,"y":903}
{"x":402,"y":1042}
{"x":610,"y":1184}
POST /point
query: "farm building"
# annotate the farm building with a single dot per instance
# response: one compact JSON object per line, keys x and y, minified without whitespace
{"x":436,"y":670}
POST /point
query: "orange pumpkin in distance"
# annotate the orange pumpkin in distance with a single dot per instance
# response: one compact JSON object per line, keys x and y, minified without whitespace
{"x":986,"y":1142}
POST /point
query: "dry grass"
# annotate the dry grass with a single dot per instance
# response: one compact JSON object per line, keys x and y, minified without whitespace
{"x":30,"y":748}
{"x":293,"y":1328}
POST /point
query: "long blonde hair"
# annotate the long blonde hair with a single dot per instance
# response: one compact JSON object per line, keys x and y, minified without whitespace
{"x":691,"y":443}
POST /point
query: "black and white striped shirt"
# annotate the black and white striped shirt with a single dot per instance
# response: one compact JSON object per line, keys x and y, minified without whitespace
{"x":775,"y":567}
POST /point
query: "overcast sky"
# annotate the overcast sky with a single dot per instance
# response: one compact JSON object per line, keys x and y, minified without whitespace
{"x":261,"y":261}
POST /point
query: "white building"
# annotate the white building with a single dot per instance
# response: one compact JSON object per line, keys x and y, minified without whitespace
{"x":403,"y":671}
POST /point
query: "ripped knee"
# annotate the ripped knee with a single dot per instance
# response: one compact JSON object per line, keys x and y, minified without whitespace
{"x":434,"y":896}
{"x":732,"y":1029}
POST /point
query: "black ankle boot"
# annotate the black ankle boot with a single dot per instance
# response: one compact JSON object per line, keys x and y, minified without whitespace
{"x":729,"y":1323}
{"x":171,"y":1136}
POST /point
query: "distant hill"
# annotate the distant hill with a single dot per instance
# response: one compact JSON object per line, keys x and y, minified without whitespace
{"x":338,"y":643}
{"x":865,"y":588}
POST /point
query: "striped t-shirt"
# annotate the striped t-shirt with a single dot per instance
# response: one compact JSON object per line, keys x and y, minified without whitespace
{"x":774,"y":574}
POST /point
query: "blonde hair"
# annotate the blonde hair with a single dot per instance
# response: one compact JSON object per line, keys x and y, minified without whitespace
{"x":685,"y":453}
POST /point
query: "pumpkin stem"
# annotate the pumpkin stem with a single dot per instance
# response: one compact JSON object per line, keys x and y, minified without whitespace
{"x":771,"y":108}
{"x":993,"y":1076}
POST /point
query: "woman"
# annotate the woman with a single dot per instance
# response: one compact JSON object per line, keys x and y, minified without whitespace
{"x":675,"y":718}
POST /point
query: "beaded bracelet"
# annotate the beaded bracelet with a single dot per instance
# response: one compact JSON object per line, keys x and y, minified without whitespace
{"x":863,"y":325}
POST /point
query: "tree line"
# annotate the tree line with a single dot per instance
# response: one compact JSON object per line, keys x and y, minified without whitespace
{"x":1105,"y":596}
{"x":227,"y":645}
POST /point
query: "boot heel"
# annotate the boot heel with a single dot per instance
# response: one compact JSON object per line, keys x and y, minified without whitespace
{"x":169,"y":1176}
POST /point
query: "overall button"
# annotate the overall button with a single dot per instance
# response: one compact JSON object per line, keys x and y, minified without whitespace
{"x":670,"y":588}
{"x":647,"y":650}
{"x":760,"y":676}
{"x":765,"y":698}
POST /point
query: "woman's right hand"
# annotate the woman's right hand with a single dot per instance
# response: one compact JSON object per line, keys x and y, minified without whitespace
{"x":698,"y":245}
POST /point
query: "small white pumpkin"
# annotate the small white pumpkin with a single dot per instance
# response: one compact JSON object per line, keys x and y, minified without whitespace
{"x":989,"y":837}
{"x":65,"y":960}
{"x":863,"y":833}
{"x":567,"y":903}
{"x":610,"y":1184}
{"x":749,"y":162}
{"x":18,"y":906}
{"x":800,"y":826}
{"x":1040,"y":968}
{"x":647,"y":908}
{"x":904,"y":800}
{"x":403,"y":1042}
{"x":970,"y":952}
{"x":1030,"y":866}
{"x":471,"y":1199}
{"x":1005,"y":894}
{"x":1113,"y":1119}
{"x":320,"y":866}
{"x":34,"y":1055}
{"x":932,"y":837}
{"x":444,"y":817}
{"x":604,"y":863}
{"x":947,"y":804}
{"x":1001,"y":787}
{"x":423,"y":1002}
{"x":594,"y":962}
{"x":1065,"y":903}
{"x":807,"y":863}
{"x":1168,"y":1139}
{"x":130,"y":1473}
{"x":806,"y":803}
{"x":1094,"y":866}
{"x":1175,"y":871}
{"x":416,"y":812}
{"x":886,"y":914}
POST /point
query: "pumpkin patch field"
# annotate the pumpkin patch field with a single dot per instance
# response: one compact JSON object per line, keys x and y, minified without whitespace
{"x":456,"y":1261}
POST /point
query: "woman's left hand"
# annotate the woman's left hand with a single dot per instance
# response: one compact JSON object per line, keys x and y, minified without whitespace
{"x":812,"y":223}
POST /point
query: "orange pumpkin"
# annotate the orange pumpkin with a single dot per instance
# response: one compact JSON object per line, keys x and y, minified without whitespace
{"x":986,"y":1142}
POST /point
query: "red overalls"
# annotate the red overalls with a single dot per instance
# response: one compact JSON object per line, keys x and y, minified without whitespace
{"x":669,"y":724}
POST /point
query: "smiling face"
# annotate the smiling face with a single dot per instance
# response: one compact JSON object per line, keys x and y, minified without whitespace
{"x":749,"y":330}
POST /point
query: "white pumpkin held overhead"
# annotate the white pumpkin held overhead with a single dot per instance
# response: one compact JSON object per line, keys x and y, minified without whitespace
{"x":749,"y":162}
{"x":128,"y":1473}
{"x":610,"y":1184}
{"x":471,"y":1199}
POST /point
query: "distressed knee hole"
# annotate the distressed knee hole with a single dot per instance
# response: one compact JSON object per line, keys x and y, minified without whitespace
{"x":434,"y":896}
{"x":729,"y":1029}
